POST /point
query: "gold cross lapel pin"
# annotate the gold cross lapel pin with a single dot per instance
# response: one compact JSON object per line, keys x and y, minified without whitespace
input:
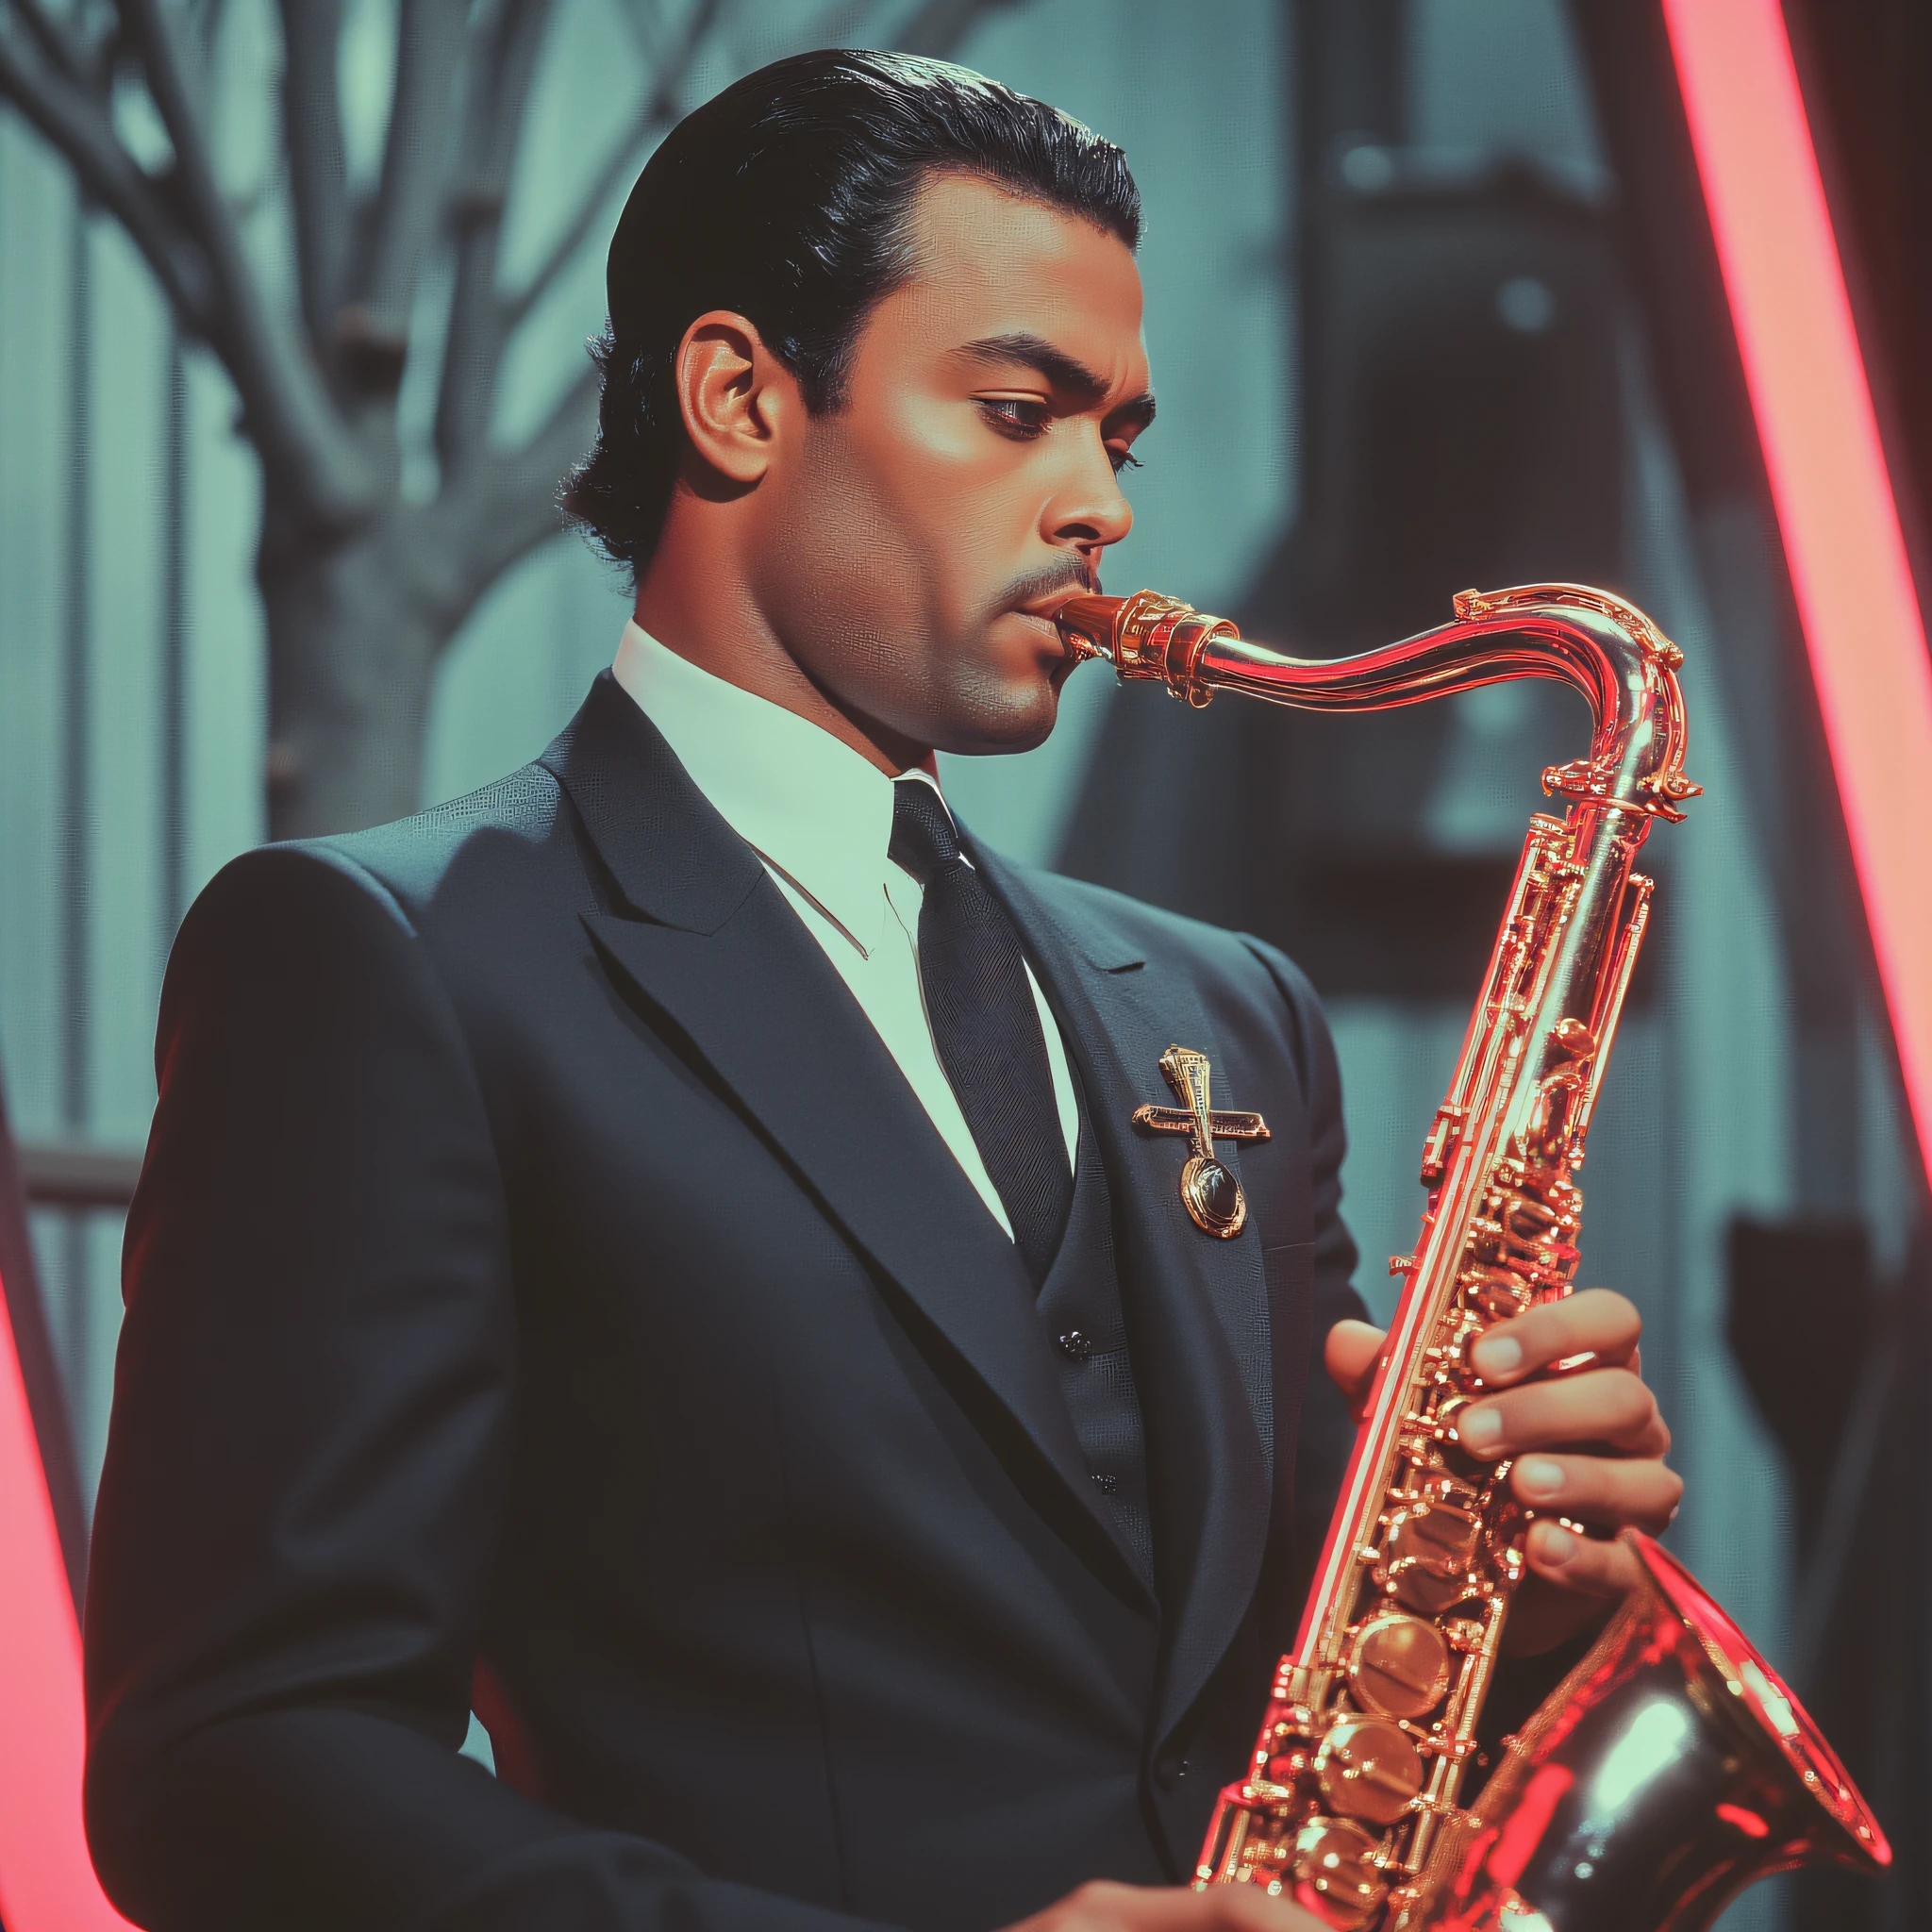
{"x":1211,"y":1196}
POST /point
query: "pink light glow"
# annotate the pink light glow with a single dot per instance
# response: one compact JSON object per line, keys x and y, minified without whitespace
{"x":1856,"y":598}
{"x":47,"y":1882}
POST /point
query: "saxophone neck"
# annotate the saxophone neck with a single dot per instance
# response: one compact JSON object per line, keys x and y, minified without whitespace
{"x":1602,"y":647}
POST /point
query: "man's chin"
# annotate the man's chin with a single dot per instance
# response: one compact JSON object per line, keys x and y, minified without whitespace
{"x":1012,"y":706}
{"x":1004,"y":731}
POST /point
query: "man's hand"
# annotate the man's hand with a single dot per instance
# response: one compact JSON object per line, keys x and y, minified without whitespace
{"x":1102,"y":1907}
{"x":1588,"y":1447}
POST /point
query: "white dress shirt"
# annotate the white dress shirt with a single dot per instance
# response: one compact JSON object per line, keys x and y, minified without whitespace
{"x":819,"y":816}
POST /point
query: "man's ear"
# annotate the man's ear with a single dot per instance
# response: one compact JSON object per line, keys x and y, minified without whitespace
{"x":736,"y":396}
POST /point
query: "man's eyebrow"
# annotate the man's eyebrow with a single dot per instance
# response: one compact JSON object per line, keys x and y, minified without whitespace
{"x":1063,"y":371}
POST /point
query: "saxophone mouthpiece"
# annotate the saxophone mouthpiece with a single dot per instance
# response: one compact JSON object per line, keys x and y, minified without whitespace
{"x":1144,"y":636}
{"x":1090,"y":626}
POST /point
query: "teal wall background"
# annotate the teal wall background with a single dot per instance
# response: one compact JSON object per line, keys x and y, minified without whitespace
{"x":111,"y":813}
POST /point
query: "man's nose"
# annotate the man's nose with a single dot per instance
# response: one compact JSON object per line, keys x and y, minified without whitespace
{"x":1091,"y":509}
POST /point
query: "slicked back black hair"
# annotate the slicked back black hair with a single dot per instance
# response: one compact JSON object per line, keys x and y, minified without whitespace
{"x":787,"y":199}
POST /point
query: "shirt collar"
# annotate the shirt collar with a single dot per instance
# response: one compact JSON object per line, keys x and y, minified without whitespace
{"x":811,"y":808}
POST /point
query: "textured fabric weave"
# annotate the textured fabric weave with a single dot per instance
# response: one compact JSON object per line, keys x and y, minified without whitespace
{"x":986,"y":1025}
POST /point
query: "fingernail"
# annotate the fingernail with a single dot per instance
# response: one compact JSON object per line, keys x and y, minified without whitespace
{"x":1480,"y":1429}
{"x":1555,"y":1546}
{"x":1538,"y":1475}
{"x":1498,"y":1354}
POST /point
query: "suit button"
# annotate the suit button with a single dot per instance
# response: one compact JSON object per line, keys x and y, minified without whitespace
{"x":1107,"y":1485}
{"x":1168,"y":1771}
{"x":1076,"y":1346}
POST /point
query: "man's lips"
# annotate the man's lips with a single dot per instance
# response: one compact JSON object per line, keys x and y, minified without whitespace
{"x":1040,"y":609}
{"x":1048,"y":608}
{"x":1055,"y":656}
{"x":1048,"y":630}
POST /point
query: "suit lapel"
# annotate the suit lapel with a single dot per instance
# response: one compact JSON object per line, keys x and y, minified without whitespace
{"x":708,"y":944}
{"x":1200,"y":1304}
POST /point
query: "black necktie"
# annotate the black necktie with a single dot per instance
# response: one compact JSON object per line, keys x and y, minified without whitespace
{"x":984,"y":1024}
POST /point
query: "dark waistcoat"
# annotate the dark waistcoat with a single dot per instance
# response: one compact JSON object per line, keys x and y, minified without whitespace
{"x":1081,"y":1301}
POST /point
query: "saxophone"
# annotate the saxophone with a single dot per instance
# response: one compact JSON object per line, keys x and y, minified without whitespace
{"x":1671,"y":1767}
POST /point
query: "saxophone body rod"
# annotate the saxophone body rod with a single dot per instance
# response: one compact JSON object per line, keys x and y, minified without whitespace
{"x":1671,"y":1767}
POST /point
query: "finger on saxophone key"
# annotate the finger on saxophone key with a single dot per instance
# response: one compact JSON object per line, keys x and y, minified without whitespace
{"x":1599,"y":1411}
{"x":1593,"y":1327}
{"x":1606,"y":1492}
{"x":1481,"y":1430}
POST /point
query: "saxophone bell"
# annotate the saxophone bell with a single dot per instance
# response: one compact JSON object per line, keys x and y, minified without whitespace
{"x":1669,"y":1770}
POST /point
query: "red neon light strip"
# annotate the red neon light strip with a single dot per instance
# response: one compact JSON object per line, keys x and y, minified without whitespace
{"x":1856,"y":598}
{"x":47,"y":1881}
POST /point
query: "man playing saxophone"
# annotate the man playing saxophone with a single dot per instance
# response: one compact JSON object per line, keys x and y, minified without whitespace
{"x":661,"y":1252}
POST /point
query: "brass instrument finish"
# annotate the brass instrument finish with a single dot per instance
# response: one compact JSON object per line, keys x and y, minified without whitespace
{"x":1671,"y":1767}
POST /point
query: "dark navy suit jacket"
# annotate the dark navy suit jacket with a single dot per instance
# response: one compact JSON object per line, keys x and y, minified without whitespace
{"x":546,"y":1293}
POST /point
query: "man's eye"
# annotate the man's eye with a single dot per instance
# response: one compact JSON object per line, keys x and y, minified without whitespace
{"x":1015,"y":415}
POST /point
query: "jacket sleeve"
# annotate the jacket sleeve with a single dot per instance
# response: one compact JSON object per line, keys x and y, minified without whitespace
{"x":310,"y":1436}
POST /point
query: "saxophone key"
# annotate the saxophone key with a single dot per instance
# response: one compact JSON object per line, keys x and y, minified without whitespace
{"x":1431,"y":1590}
{"x":1457,"y":1750}
{"x":1335,"y":1865}
{"x":1453,"y":1490}
{"x":1399,"y":1665}
{"x":1285,"y":1751}
{"x":1529,"y":1216}
{"x":1369,"y":1768}
{"x":1442,"y":1137}
{"x":1427,"y":1556}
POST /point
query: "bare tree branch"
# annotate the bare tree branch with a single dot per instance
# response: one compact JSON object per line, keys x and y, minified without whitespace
{"x":499,"y":89}
{"x":52,"y":38}
{"x":937,"y":29}
{"x":504,"y":503}
{"x":493,"y":125}
{"x":75,"y":123}
{"x":318,"y":168}
{"x":404,"y":217}
{"x":208,"y":16}
{"x":617,"y":163}
{"x":201,"y":25}
{"x":303,"y":442}
{"x":658,"y":110}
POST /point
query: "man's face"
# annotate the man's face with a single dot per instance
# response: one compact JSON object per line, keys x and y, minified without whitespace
{"x":919,"y":536}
